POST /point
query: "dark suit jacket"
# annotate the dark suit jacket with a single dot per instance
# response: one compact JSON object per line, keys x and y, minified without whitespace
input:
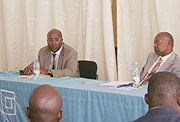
{"x":67,"y":63}
{"x":164,"y":114}
{"x":172,"y":64}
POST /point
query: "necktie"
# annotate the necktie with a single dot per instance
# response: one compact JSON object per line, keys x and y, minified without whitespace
{"x":154,"y":70}
{"x":54,"y":63}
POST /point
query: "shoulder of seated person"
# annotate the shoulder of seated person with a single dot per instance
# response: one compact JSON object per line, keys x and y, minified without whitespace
{"x":44,"y":49}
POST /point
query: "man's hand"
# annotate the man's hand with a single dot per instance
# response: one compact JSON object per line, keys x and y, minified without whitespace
{"x":28,"y":71}
{"x":44,"y":71}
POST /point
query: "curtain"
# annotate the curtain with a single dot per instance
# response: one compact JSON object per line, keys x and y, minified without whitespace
{"x":86,"y":26}
{"x":138,"y":22}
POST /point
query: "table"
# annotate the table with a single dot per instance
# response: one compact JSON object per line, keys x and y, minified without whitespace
{"x":81,"y":102}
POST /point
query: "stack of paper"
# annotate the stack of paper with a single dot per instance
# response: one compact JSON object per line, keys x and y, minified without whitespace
{"x":32,"y":76}
{"x":90,"y":82}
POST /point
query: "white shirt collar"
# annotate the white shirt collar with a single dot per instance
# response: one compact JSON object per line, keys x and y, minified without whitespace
{"x":56,"y":58}
{"x":164,"y":58}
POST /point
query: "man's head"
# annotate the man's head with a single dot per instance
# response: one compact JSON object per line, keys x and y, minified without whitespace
{"x":163,"y":90}
{"x":163,"y":43}
{"x":45,"y":105}
{"x":54,"y":40}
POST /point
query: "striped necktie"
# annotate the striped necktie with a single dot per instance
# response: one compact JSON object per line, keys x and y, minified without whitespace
{"x":54,"y":62}
{"x":154,"y":70}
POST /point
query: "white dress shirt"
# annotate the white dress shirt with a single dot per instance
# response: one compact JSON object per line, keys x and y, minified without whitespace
{"x":56,"y":58}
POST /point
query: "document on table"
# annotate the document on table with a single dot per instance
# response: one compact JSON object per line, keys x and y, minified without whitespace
{"x":32,"y":76}
{"x":119,"y":84}
{"x":90,"y":82}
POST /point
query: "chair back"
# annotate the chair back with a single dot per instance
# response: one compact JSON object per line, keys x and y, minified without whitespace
{"x":88,"y":69}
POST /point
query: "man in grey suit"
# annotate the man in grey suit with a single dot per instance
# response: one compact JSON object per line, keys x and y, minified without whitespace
{"x":164,"y":59}
{"x":163,"y":98}
{"x":57,"y":59}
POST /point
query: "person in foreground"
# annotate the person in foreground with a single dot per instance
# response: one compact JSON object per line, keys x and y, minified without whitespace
{"x":163,"y":99}
{"x":45,"y":105}
{"x":57,"y":59}
{"x":164,"y":59}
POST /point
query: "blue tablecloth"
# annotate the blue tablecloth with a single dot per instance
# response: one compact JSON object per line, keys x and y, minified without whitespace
{"x":81,"y":102}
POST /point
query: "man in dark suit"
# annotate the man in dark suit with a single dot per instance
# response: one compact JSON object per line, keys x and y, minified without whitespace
{"x":163,"y":98}
{"x":164,"y":59}
{"x":45,"y":105}
{"x":56,"y":59}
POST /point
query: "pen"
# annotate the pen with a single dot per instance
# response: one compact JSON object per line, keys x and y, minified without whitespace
{"x":129,"y":84}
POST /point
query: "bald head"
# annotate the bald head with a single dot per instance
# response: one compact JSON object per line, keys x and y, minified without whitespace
{"x":163,"y":90}
{"x":53,"y":31}
{"x":45,"y":104}
{"x":167,"y":36}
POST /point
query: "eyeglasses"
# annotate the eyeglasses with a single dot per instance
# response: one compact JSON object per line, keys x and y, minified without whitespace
{"x":52,"y":39}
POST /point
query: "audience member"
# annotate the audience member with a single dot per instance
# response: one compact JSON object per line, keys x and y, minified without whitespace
{"x":45,"y":105}
{"x":163,"y":98}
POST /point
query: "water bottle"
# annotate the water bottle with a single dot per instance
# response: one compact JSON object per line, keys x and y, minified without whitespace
{"x":136,"y":76}
{"x":36,"y":66}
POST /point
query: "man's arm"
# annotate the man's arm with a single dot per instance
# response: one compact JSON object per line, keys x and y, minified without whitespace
{"x":176,"y":66}
{"x":142,"y":73}
{"x":28,"y":70}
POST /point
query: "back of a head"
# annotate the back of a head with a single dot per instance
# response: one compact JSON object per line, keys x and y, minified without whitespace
{"x":45,"y":105}
{"x":163,"y":89}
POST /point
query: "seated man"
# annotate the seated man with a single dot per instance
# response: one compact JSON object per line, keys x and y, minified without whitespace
{"x":56,"y":59}
{"x":164,"y":59}
{"x":163,"y":98}
{"x":45,"y":105}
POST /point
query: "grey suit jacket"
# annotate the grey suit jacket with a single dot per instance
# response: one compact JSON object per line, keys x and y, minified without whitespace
{"x":67,"y":63}
{"x":165,"y":114}
{"x":172,"y":64}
